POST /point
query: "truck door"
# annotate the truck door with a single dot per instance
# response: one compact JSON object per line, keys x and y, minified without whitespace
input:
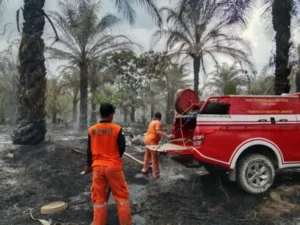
{"x":289,"y":132}
{"x":279,"y":123}
{"x":288,"y":138}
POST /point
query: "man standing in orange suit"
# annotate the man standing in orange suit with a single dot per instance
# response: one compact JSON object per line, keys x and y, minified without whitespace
{"x":106,"y":146}
{"x":152,"y":137}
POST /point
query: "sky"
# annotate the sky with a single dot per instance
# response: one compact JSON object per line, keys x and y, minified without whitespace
{"x":140,"y":32}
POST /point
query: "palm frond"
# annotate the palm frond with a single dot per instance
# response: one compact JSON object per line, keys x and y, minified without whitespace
{"x":127,"y":9}
{"x":151,"y":7}
{"x":58,"y":54}
{"x":2,"y":6}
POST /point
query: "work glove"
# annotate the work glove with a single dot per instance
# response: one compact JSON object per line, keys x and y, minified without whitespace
{"x":87,"y":169}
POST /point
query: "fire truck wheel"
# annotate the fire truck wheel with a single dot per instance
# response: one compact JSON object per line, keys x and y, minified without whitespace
{"x":255,"y":173}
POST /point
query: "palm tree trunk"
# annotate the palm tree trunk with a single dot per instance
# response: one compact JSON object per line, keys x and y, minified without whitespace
{"x":281,"y":12}
{"x":74,"y":112}
{"x":30,"y":126}
{"x":169,"y":111}
{"x":2,"y":113}
{"x":54,"y":115}
{"x":144,"y":117}
{"x":83,"y":97}
{"x":132,"y":114}
{"x":297,"y":81}
{"x":125,"y":115}
{"x":152,"y":110}
{"x":93,"y":119}
{"x":196,"y":73}
{"x":169,"y":115}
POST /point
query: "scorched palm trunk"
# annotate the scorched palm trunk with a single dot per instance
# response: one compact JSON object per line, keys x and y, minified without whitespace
{"x":74,"y":112}
{"x":93,"y":119}
{"x":281,"y":13}
{"x":83,"y":97}
{"x":2,"y":112}
{"x":30,"y":126}
{"x":196,"y":73}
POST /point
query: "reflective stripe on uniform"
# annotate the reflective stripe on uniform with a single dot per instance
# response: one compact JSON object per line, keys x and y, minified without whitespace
{"x":123,"y":203}
{"x":100,"y":205}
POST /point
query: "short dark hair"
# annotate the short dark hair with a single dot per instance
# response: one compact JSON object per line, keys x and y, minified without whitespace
{"x":157,"y":115}
{"x":106,"y":109}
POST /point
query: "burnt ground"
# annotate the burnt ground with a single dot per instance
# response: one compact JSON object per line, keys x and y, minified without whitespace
{"x":51,"y":172}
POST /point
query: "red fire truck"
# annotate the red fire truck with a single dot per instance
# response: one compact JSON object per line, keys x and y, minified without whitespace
{"x":248,"y":136}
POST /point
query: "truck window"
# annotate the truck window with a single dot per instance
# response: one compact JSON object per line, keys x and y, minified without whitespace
{"x":216,"y":108}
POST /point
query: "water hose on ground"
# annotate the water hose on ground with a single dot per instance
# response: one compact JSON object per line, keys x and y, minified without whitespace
{"x":34,"y":211}
{"x":50,"y":208}
{"x":133,"y":158}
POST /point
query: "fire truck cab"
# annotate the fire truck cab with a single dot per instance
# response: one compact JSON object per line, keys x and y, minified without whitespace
{"x":248,"y":136}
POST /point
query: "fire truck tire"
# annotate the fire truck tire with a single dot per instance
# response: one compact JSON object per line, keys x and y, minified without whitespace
{"x":255,"y":173}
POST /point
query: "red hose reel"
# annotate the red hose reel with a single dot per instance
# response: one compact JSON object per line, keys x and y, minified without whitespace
{"x":187,"y":101}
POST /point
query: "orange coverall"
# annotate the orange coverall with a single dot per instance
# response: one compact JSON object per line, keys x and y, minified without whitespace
{"x":152,"y":138}
{"x":105,"y":148}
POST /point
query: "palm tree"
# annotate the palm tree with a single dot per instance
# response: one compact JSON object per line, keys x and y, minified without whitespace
{"x":195,"y":33}
{"x":84,"y":39}
{"x":295,"y":73}
{"x":262,"y":85}
{"x":227,"y":79}
{"x":281,"y":12}
{"x":30,"y":126}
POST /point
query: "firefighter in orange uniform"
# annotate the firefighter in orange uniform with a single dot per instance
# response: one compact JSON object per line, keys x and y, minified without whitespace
{"x":153,"y":135}
{"x":106,"y":146}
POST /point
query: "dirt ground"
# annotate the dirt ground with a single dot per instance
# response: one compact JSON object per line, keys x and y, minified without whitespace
{"x":190,"y":196}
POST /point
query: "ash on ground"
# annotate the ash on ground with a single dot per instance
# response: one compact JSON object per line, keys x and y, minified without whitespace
{"x":33,"y":175}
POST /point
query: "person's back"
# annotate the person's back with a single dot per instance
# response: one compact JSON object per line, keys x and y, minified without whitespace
{"x":152,"y":137}
{"x":104,"y":149}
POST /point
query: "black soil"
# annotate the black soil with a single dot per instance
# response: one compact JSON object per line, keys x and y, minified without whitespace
{"x":51,"y":172}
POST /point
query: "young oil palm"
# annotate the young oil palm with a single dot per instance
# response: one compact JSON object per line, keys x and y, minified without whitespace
{"x":227,"y":79}
{"x":83,"y":39}
{"x":196,"y":31}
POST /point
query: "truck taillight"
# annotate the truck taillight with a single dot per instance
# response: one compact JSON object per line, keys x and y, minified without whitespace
{"x":199,"y":139}
{"x":197,"y":143}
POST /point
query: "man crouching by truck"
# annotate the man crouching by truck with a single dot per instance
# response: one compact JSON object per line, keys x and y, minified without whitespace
{"x":106,"y":145}
{"x":152,"y":137}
